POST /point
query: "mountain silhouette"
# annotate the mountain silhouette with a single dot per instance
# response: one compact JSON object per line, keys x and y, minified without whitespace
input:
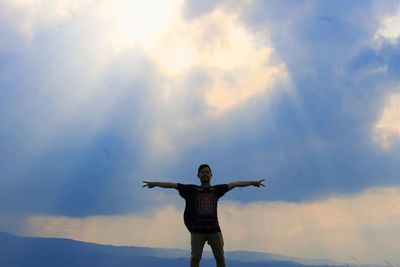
{"x":19,"y":251}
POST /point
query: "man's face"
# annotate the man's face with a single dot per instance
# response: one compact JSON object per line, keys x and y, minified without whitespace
{"x":205,"y":175}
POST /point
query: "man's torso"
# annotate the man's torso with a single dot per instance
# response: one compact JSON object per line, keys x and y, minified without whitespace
{"x":200,"y":214}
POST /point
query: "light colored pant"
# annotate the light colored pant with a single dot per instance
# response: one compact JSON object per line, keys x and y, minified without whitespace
{"x":216,"y":242}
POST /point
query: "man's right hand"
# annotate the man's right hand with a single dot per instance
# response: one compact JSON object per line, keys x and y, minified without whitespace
{"x":149,"y":184}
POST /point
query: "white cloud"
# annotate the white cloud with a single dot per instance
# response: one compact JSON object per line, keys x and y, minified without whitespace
{"x":218,"y":43}
{"x":363,"y":225}
{"x":390,"y":27}
{"x":238,"y":69}
{"x":387,"y":129}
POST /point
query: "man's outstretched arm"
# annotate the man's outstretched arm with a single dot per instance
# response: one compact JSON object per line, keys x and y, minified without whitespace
{"x":160,"y":184}
{"x":257,"y":183}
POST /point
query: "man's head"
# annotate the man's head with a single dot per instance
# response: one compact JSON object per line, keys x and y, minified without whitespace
{"x":204,"y":173}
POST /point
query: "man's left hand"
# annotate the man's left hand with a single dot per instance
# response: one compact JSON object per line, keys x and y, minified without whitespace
{"x":259,"y":183}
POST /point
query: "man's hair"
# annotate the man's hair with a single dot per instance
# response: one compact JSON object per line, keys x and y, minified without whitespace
{"x":202,"y":166}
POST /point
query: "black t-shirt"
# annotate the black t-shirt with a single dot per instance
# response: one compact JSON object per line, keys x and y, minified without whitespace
{"x":200,"y":214}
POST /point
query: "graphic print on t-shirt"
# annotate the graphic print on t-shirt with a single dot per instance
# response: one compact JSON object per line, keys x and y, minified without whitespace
{"x":206,"y":203}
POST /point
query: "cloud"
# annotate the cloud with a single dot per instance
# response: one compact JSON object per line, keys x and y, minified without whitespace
{"x":312,"y":139}
{"x":26,"y":17}
{"x":93,"y":101}
{"x":159,"y":228}
{"x":362,"y":225}
{"x":66,"y":98}
{"x":390,"y":27}
{"x":219,"y":45}
{"x":92,"y":104}
{"x":387,"y":128}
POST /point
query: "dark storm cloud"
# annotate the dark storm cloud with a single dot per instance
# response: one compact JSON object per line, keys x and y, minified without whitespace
{"x":61,"y":156}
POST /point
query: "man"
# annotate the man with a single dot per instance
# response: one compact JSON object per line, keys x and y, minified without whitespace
{"x":200,"y":215}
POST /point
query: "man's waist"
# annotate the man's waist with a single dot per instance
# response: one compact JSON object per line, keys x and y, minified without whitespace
{"x":204,"y":230}
{"x":204,"y":226}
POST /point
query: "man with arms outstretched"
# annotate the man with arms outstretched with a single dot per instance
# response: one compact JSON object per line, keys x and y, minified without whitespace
{"x":200,"y":215}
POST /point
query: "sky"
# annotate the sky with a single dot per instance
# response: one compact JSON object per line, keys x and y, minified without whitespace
{"x":97,"y":96}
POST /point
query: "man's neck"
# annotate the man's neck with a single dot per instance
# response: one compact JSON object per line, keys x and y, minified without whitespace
{"x":205,"y":185}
